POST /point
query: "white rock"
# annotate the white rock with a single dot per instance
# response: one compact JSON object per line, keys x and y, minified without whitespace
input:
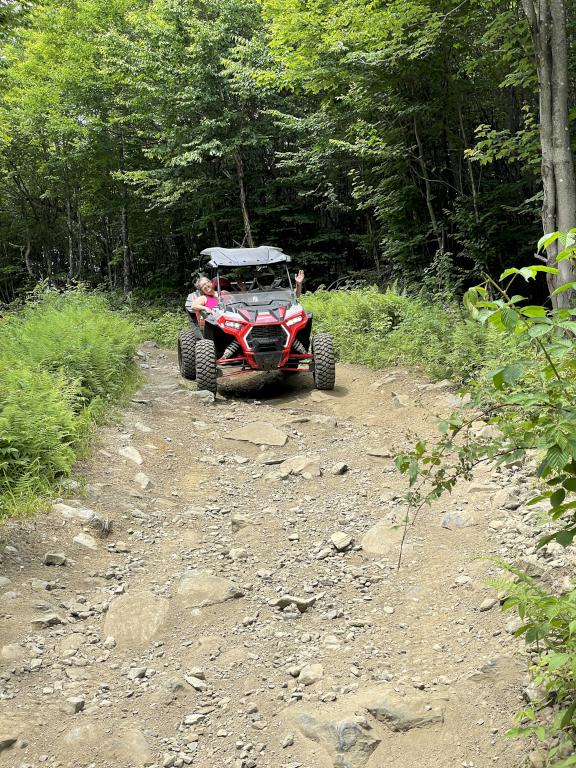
{"x":131,"y":454}
{"x":85,"y":540}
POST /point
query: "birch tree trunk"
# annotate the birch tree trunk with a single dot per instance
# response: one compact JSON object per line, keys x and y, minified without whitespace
{"x":70,"y":240}
{"x":547,"y":19}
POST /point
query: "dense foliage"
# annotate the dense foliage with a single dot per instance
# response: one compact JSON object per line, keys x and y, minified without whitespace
{"x":62,"y":359}
{"x":389,"y":137}
{"x":389,"y":328}
{"x":528,"y":402}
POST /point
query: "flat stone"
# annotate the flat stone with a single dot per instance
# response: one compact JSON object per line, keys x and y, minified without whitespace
{"x":383,"y":539}
{"x":380,"y":452}
{"x":73,"y":705}
{"x":340,"y":468}
{"x":127,"y":748}
{"x":54,"y":558}
{"x":141,"y":427}
{"x":82,"y":514}
{"x":12,"y":652}
{"x":85,"y":540}
{"x":306,"y":466}
{"x":142,"y":481}
{"x":4,"y":582}
{"x":341,"y":540}
{"x":72,"y":642}
{"x":134,"y":619}
{"x":487,"y":604}
{"x":238,"y":522}
{"x":200,"y":588}
{"x":454,"y":520}
{"x":401,"y":713}
{"x":310,"y":674}
{"x":348,"y":742}
{"x":259,"y":433}
{"x":131,"y":454}
{"x":49,"y":619}
{"x":302,"y":603}
{"x":7,"y":739}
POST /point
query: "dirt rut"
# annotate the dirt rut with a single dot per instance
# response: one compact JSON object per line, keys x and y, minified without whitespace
{"x":245,"y":610}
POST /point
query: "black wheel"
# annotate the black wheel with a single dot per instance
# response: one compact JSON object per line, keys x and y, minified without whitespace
{"x":206,"y":372}
{"x":324,"y":362}
{"x":187,"y":354}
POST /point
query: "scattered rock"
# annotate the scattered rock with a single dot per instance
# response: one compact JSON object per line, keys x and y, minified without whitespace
{"x":134,"y":619}
{"x":73,"y":705}
{"x":85,"y":540}
{"x":348,"y":742}
{"x":383,"y":539}
{"x":4,"y":582}
{"x":453,"y":520}
{"x":131,"y":454}
{"x":310,"y":674}
{"x":142,"y":481}
{"x":380,"y":452}
{"x":401,"y":713}
{"x":340,"y":468}
{"x":487,"y":604}
{"x":341,"y":541}
{"x":199,"y":588}
{"x":49,"y":619}
{"x":259,"y":433}
{"x":54,"y":558}
{"x":302,"y":603}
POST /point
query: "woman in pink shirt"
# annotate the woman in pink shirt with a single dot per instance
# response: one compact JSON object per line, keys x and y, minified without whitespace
{"x":208,"y":298}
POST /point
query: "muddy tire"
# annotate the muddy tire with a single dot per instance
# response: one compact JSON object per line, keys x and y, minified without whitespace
{"x":324,"y":361}
{"x":187,"y":355}
{"x":206,"y":371}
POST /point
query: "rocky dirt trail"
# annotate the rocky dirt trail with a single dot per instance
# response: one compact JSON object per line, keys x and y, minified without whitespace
{"x":245,"y":609}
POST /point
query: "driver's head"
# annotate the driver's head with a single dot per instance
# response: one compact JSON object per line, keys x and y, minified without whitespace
{"x":266,"y":279}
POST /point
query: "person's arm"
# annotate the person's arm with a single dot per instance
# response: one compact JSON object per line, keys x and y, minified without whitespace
{"x":299,"y":279}
{"x":199,"y":304}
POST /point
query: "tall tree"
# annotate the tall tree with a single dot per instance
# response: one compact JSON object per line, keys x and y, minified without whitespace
{"x":547,"y":19}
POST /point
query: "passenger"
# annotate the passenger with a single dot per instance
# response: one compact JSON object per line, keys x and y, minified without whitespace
{"x":299,"y":279}
{"x":208,"y":299}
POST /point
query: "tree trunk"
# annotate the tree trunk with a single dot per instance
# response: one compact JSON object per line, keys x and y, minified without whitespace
{"x":27,"y":261}
{"x":80,"y":246}
{"x":428,"y":188}
{"x":70,"y":240}
{"x":245,"y":217}
{"x":547,"y":19}
{"x":126,"y":263}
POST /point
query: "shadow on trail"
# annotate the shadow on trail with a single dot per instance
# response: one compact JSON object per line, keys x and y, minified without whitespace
{"x":272,"y":386}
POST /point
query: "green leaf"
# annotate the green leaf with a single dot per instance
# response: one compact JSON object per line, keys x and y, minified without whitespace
{"x":557,"y":497}
{"x":533,"y":311}
{"x":566,"y":287}
{"x":547,"y":240}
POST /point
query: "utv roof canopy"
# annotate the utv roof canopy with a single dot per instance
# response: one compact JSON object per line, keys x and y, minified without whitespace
{"x":242,"y":257}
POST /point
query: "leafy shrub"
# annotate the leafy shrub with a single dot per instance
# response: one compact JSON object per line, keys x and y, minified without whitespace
{"x":379,"y":329}
{"x":529,"y":402}
{"x":62,"y":358}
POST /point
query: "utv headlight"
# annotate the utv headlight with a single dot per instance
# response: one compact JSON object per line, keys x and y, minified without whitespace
{"x":233,"y":324}
{"x":294,"y":320}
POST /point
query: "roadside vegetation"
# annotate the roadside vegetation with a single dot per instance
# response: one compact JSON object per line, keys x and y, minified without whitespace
{"x":529,"y":401}
{"x":64,"y":358}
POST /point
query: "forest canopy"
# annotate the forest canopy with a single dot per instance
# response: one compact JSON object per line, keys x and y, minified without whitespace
{"x":398,"y":139}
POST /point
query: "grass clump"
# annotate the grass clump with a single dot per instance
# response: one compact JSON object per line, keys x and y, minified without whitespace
{"x":63,"y":359}
{"x":388,"y":328}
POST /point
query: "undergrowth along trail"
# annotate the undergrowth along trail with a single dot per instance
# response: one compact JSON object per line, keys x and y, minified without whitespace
{"x":64,"y":358}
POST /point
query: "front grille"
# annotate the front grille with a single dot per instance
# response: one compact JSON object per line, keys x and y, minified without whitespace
{"x":267,"y":336}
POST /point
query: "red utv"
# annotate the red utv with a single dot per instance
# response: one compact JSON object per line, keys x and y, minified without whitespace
{"x":258,"y":324}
